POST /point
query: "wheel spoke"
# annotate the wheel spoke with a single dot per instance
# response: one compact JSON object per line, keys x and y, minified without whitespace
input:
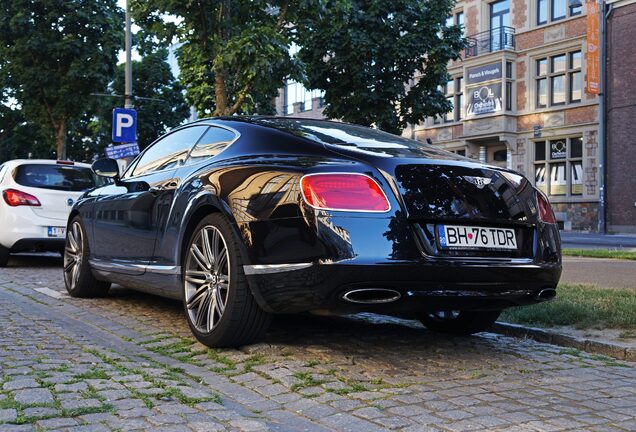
{"x":207,"y":248}
{"x":220,"y":304}
{"x":69,"y":265}
{"x":215,"y":246}
{"x":211,"y":309}
{"x":199,"y":257}
{"x":197,"y":297}
{"x":202,"y":311}
{"x":222,"y":260}
{"x":72,"y":241}
{"x":196,"y":277}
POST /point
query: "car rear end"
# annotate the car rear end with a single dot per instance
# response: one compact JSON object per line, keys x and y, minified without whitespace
{"x":430,"y":231}
{"x":37,"y":196}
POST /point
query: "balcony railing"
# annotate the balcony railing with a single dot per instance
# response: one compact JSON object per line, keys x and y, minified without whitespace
{"x":497,"y":39}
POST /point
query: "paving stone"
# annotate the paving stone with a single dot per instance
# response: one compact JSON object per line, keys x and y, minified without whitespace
{"x":56,"y":423}
{"x":40,"y":412}
{"x":8,"y":415}
{"x":33,"y":396}
{"x":18,"y":384}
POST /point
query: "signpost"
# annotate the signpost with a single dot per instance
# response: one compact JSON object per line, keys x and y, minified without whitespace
{"x":124,"y":125}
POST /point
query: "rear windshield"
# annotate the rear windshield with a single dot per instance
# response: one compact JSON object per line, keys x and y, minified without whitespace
{"x":57,"y":177}
{"x":349,"y":135}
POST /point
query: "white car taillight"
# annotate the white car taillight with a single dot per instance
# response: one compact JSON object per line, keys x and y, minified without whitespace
{"x":17,"y":198}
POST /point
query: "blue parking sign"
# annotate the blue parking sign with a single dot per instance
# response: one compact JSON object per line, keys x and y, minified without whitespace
{"x":124,"y":125}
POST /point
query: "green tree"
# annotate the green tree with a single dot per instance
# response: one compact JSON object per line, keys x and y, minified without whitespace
{"x":152,"y":78}
{"x":365,"y":53}
{"x":54,"y":54}
{"x":234,"y":54}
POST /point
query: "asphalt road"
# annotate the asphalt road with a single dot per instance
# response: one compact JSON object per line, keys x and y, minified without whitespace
{"x":128,"y":362}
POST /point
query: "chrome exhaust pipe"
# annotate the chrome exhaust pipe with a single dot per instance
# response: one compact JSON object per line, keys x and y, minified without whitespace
{"x":545,"y":294}
{"x":371,"y":295}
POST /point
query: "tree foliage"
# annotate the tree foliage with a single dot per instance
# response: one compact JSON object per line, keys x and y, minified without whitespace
{"x":365,"y":53}
{"x":152,"y":79}
{"x":233,"y":55}
{"x":54,"y":54}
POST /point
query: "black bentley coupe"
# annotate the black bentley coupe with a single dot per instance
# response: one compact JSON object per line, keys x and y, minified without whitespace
{"x":243,"y":217}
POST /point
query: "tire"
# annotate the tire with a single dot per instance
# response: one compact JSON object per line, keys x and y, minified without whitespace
{"x":460,"y":322}
{"x":4,"y":256}
{"x":218,"y":303}
{"x":78,"y":277}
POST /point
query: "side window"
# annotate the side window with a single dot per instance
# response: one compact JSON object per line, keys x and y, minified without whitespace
{"x":212,"y":143}
{"x":168,"y":152}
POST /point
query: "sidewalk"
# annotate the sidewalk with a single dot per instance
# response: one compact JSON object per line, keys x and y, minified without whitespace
{"x":583,"y":240}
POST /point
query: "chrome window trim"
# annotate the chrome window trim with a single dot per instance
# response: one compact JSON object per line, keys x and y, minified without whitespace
{"x":273,"y":268}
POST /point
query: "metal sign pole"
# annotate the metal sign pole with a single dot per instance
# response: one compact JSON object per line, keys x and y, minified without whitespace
{"x":128,"y":69}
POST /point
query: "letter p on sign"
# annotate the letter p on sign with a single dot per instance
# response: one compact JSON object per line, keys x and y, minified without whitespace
{"x":124,"y":125}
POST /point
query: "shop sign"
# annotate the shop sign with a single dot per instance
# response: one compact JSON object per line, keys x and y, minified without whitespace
{"x":593,"y":45}
{"x":479,"y":74}
{"x":485,"y":99}
{"x":558,"y":149}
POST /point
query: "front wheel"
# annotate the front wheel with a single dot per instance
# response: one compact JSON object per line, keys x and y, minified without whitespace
{"x":459,"y":322}
{"x":219,"y":305}
{"x":78,"y":277}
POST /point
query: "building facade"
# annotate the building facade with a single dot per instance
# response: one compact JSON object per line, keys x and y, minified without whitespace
{"x":621,"y":115}
{"x":520,"y":100}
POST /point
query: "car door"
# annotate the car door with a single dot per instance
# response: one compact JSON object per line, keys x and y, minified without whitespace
{"x":127,"y":215}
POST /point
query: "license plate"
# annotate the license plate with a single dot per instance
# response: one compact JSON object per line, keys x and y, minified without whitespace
{"x":472,"y":237}
{"x":58,"y":232}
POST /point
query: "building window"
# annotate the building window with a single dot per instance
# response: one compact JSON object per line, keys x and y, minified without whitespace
{"x":558,"y":79}
{"x":459,"y":98}
{"x":456,"y":19}
{"x":558,"y":166}
{"x":296,"y":92}
{"x":453,"y":89}
{"x":555,"y":10}
{"x":508,"y":86}
{"x":459,"y":152}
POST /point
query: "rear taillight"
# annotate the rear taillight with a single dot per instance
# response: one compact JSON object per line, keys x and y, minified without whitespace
{"x":346,"y":192}
{"x":545,"y":209}
{"x":18,"y":198}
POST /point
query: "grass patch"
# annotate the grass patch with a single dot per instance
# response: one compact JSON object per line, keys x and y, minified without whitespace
{"x":581,"y":307}
{"x":92,"y":374}
{"x":306,"y":380}
{"x":600,"y":253}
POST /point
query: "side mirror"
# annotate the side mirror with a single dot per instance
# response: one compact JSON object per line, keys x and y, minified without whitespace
{"x":106,"y":168}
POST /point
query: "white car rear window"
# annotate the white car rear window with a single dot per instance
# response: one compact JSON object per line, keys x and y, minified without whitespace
{"x":57,"y":177}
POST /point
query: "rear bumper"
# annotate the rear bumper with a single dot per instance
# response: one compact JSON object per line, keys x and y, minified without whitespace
{"x":38,"y":245}
{"x":21,"y":227}
{"x":302,"y":264}
{"x":420,"y":286}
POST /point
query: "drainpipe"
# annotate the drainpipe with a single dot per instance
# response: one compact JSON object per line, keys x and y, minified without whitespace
{"x":602,"y":148}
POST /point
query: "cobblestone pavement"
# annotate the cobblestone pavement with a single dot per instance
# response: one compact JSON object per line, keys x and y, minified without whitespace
{"x":128,"y":362}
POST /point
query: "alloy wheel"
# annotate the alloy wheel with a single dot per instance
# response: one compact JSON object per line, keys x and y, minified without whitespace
{"x":73,"y":255}
{"x":207,"y":279}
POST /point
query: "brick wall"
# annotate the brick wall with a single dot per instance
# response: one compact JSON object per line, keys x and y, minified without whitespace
{"x":621,"y":119}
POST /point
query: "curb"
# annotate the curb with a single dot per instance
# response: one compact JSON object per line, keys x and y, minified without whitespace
{"x":551,"y":337}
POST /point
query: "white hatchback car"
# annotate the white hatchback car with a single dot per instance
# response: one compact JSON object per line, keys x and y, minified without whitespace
{"x":37,"y":197}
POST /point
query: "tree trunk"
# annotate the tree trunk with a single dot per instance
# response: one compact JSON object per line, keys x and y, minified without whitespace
{"x":60,"y":139}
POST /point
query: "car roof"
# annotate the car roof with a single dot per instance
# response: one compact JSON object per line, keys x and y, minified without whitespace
{"x":16,"y":162}
{"x":255,"y":119}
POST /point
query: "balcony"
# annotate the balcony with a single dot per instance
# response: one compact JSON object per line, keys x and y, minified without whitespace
{"x":497,"y":39}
